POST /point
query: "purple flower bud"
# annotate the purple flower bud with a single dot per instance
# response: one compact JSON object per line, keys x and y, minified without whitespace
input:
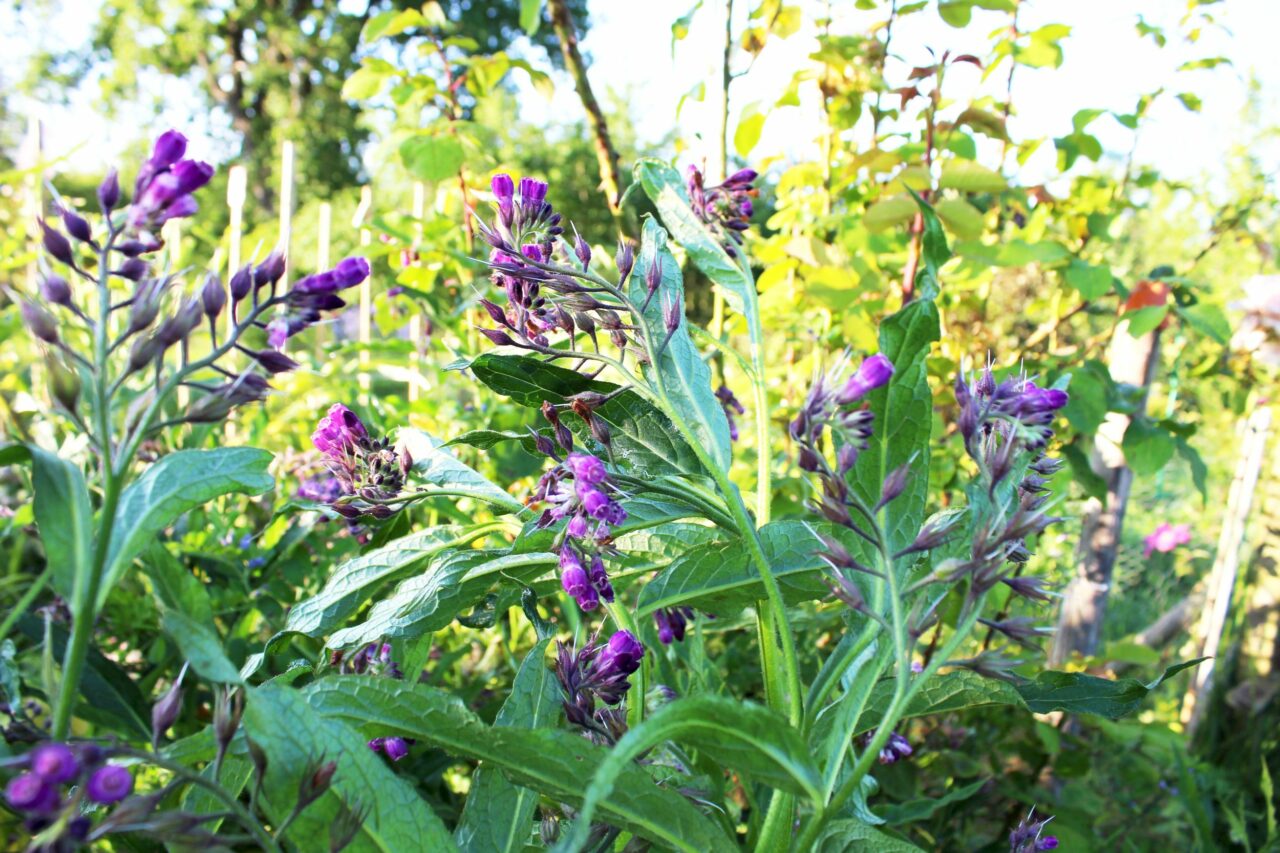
{"x":503,"y":187}
{"x":134,"y":269}
{"x":31,"y":793}
{"x":671,"y":315}
{"x":577,"y":527}
{"x":315,"y":781}
{"x":396,"y":748}
{"x":532,"y":192}
{"x":270,"y":270}
{"x":277,"y":332}
{"x":164,"y":713}
{"x":339,"y":432}
{"x":586,"y":468}
{"x":109,"y":784}
{"x":213,"y":295}
{"x":582,"y":249}
{"x":653,"y":276}
{"x":55,"y":289}
{"x":109,"y":191}
{"x":742,"y":176}
{"x":77,"y":226}
{"x":622,"y":655}
{"x":191,"y":175}
{"x":241,"y":282}
{"x":39,"y":322}
{"x":594,"y":502}
{"x":871,"y":374}
{"x":498,"y":337}
{"x":351,"y":271}
{"x":574,"y":579}
{"x":56,"y":244}
{"x":273,"y":361}
{"x":625,"y":260}
{"x":181,"y":207}
{"x":168,"y":150}
{"x":55,"y":763}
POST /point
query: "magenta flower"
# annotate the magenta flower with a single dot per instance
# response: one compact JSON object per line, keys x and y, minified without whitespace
{"x":339,"y":432}
{"x":1165,"y":538}
{"x":109,"y":784}
{"x":31,"y":793}
{"x":870,"y":375}
{"x":55,"y":763}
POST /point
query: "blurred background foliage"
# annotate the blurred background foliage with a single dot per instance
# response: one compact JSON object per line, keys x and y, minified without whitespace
{"x":422,"y":104}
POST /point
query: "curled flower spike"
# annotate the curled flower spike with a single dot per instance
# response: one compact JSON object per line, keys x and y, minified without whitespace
{"x":733,"y":409}
{"x":726,"y":208}
{"x":598,"y":673}
{"x":1028,"y":836}
{"x":371,"y":474}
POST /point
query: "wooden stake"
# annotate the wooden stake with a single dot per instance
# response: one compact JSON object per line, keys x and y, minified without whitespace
{"x":415,"y":319}
{"x":286,"y":208}
{"x":366,"y":292}
{"x":1226,"y":564}
{"x":323,"y":232}
{"x":237,"y":179}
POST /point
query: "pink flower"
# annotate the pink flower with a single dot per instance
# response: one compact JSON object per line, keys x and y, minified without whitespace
{"x":1165,"y":538}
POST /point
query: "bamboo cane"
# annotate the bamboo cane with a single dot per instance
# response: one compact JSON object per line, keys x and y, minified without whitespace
{"x":323,"y":237}
{"x":415,"y":319}
{"x":366,"y":293}
{"x":237,"y":179}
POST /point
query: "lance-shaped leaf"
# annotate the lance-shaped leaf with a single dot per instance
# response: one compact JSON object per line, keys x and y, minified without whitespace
{"x":643,"y":439}
{"x":452,"y":582}
{"x":550,"y":761}
{"x":354,"y":581}
{"x":63,"y":517}
{"x":437,"y":466}
{"x":201,"y":645}
{"x":179,"y":482}
{"x":1081,"y":693}
{"x":498,"y":815}
{"x":295,"y":737}
{"x":680,"y":375}
{"x":744,"y":736}
{"x":852,"y":836}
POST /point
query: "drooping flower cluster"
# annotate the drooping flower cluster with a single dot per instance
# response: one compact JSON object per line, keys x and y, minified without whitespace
{"x":832,"y":404}
{"x":732,"y":409}
{"x":598,"y":673}
{"x":57,"y":778}
{"x":370,"y":472}
{"x":726,"y":208}
{"x":375,"y":660}
{"x":311,"y":296}
{"x":895,"y":748}
{"x":579,"y":490}
{"x":1028,"y":836}
{"x":671,"y":622}
{"x":1165,"y":538}
{"x":163,"y":190}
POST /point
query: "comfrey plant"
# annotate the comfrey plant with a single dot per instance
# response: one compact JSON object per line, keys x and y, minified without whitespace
{"x":133,"y":351}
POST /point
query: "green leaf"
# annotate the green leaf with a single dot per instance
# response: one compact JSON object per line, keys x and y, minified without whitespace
{"x":201,"y":646}
{"x":964,"y":220}
{"x":740,"y":735}
{"x":1081,"y":693}
{"x":354,"y":581}
{"x":643,"y":438}
{"x":722,"y":579}
{"x":912,"y":811}
{"x":1087,"y":407}
{"x":498,"y":816}
{"x":176,"y":588}
{"x":1208,"y":320}
{"x":432,"y":158}
{"x":530,"y":16}
{"x":971,"y":177}
{"x":365,"y":83}
{"x":392,"y":24}
{"x":957,"y":13}
{"x":1090,"y":281}
{"x":63,"y":516}
{"x":438,"y":467}
{"x":1199,"y":471}
{"x":181,"y":481}
{"x":852,"y":836}
{"x":293,"y":736}
{"x":1082,"y":472}
{"x":941,"y":694}
{"x":550,"y":761}
{"x":1147,"y":447}
{"x":427,"y":602}
{"x":1143,"y":320}
{"x":680,"y":375}
{"x":747,"y":133}
{"x":888,"y":212}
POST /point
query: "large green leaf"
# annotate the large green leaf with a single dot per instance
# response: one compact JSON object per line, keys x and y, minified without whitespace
{"x":1081,"y":693}
{"x":941,"y":694}
{"x":63,"y":517}
{"x":681,"y":376}
{"x":498,"y":816}
{"x":438,"y":467}
{"x":550,"y":761}
{"x":354,"y":581}
{"x":175,"y":588}
{"x":923,"y":807}
{"x":451,"y":582}
{"x":293,"y":735}
{"x":740,"y":735}
{"x":722,"y":579}
{"x":179,"y":482}
{"x":851,"y":836}
{"x":201,"y":646}
{"x":642,"y":438}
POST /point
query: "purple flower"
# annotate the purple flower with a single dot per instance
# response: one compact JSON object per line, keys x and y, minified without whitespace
{"x":873,"y":373}
{"x":622,"y":654}
{"x":600,"y":579}
{"x":576,"y":582}
{"x":169,"y":149}
{"x":586,"y":468}
{"x":1028,"y":835}
{"x":672,"y":622}
{"x":320,"y":489}
{"x":165,"y":183}
{"x":396,"y":748}
{"x":109,"y":784}
{"x":577,"y":527}
{"x":339,"y":433}
{"x":594,"y":501}
{"x":1165,"y":538}
{"x":724,"y":208}
{"x":732,"y":409}
{"x":55,"y":763}
{"x":31,"y":793}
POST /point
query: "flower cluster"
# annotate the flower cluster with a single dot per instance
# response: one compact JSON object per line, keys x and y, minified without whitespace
{"x":163,"y":190}
{"x":732,"y":409}
{"x":894,"y":750}
{"x":671,"y":622}
{"x":726,"y":208}
{"x":579,"y":490}
{"x":598,"y":673}
{"x":1028,"y":836}
{"x":375,"y":660}
{"x":832,"y":404}
{"x":1165,"y":538}
{"x":371,"y":473}
{"x":58,"y":777}
{"x":998,"y":420}
{"x":311,"y":296}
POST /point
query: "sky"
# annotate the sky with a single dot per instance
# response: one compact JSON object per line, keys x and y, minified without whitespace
{"x":1107,"y":65}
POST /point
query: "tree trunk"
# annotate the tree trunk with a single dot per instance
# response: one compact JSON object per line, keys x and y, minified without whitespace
{"x":606,"y":154}
{"x":1132,"y":361}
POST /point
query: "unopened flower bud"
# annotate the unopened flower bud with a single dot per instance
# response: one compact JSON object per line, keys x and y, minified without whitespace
{"x":164,"y":713}
{"x":109,"y":191}
{"x":270,"y":270}
{"x":582,"y":249}
{"x":227,"y":710}
{"x":134,"y":269}
{"x":241,"y":282}
{"x":77,"y":226}
{"x":213,"y":296}
{"x":315,"y":781}
{"x":653,"y":276}
{"x":39,"y":322}
{"x":64,"y":382}
{"x":894,"y":484}
{"x":56,"y":243}
{"x":273,"y":361}
{"x":143,"y":352}
{"x":670,"y":314}
{"x":55,"y":289}
{"x":625,"y":259}
{"x":549,"y":829}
